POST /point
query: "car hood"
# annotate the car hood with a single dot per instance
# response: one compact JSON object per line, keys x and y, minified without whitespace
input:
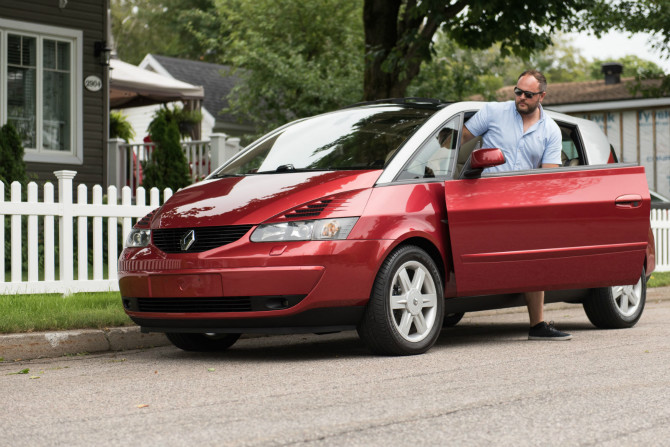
{"x":254,"y":199}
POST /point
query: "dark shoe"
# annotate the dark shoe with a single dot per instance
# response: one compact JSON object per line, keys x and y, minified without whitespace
{"x":547,"y":331}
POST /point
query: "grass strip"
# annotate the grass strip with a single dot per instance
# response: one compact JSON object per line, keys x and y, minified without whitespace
{"x":48,"y":312}
{"x":659,"y":279}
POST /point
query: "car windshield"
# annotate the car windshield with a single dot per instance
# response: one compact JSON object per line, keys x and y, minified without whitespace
{"x":356,"y":138}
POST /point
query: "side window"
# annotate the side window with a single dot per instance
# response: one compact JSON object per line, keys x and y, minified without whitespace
{"x":573,"y":153}
{"x":436,"y":156}
{"x":466,"y":149}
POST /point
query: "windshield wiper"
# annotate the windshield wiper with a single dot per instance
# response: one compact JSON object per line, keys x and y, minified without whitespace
{"x":222,"y":175}
{"x":284,"y":168}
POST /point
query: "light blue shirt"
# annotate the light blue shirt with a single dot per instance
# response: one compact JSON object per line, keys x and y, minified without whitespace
{"x":501,"y":126}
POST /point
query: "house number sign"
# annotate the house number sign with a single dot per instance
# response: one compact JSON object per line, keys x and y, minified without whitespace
{"x":93,"y":83}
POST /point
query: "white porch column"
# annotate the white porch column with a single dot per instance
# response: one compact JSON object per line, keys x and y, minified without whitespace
{"x":115,"y":163}
{"x":217,"y":142}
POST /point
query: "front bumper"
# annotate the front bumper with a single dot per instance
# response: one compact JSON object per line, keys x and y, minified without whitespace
{"x":308,"y":286}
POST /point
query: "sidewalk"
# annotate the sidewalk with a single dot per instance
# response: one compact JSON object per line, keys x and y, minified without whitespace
{"x":87,"y":341}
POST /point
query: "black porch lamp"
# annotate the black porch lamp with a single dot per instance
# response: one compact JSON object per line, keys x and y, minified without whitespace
{"x":102,"y":51}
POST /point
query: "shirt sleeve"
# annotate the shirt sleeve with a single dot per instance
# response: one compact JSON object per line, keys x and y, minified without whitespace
{"x":479,"y":123}
{"x":553,"y":147}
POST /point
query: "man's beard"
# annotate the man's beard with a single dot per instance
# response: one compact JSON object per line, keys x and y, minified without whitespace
{"x":531,"y":109}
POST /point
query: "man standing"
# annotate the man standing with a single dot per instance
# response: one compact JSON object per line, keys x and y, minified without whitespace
{"x":529,"y":139}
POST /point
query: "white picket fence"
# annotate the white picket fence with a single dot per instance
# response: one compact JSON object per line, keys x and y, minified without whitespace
{"x":42,"y":272}
{"x":660,"y":225}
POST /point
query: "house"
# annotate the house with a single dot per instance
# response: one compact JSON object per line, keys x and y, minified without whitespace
{"x":217,"y":84}
{"x":54,"y":84}
{"x":638,"y":128}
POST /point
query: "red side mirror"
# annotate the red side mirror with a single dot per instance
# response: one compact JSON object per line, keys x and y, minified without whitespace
{"x":486,"y":158}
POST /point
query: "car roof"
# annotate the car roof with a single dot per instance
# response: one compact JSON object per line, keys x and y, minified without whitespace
{"x":412,"y":102}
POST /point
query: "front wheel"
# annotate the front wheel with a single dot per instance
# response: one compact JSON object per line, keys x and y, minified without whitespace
{"x":202,"y":342}
{"x":617,"y":307}
{"x":405,"y":311}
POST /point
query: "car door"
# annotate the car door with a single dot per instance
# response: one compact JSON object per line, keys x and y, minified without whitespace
{"x":548,"y":229}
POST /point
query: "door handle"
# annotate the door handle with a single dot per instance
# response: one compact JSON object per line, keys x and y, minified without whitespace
{"x":628,"y":201}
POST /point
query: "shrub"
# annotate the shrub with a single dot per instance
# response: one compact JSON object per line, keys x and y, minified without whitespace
{"x":12,"y":166}
{"x":167,"y":166}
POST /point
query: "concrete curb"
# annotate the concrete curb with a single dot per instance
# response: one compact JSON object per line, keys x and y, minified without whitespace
{"x":35,"y":345}
{"x":55,"y":344}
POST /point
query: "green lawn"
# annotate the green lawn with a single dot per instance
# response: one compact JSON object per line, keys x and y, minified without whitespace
{"x":47,"y":312}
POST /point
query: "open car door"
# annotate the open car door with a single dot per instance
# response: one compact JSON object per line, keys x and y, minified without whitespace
{"x":548,"y":229}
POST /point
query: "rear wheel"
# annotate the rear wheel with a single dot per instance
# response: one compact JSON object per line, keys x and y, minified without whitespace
{"x":618,"y":306}
{"x":404,"y":314}
{"x":202,"y":342}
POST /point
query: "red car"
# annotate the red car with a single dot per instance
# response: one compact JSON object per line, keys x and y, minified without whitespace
{"x":375,"y":218}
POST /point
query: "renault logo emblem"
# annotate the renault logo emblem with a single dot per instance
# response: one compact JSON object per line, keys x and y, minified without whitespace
{"x":187,"y":240}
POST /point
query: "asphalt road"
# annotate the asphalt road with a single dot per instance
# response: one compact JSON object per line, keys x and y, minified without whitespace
{"x":482,"y":384}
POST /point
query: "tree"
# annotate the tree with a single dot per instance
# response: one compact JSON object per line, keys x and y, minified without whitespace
{"x":636,"y":16}
{"x":292,"y":58}
{"x":646,"y":16}
{"x":457,"y":73}
{"x":399,"y":33}
{"x":632,"y":66}
{"x":157,"y":26}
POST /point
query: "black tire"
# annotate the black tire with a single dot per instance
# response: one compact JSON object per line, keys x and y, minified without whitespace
{"x":410,"y":279}
{"x":617,"y":307}
{"x":202,"y":342}
{"x":451,"y":320}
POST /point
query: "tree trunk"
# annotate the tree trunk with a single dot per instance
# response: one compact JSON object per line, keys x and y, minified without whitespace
{"x":395,"y":46}
{"x":380,"y":18}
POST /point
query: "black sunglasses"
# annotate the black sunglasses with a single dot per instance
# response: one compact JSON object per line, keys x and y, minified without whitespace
{"x":529,"y":95}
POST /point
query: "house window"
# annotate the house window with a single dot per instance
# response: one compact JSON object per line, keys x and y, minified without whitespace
{"x":40,"y":89}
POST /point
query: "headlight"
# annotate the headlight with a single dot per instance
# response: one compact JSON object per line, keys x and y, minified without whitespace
{"x":305,"y":230}
{"x":138,"y":238}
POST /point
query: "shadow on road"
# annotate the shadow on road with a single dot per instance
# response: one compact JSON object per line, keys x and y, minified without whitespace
{"x":312,"y":347}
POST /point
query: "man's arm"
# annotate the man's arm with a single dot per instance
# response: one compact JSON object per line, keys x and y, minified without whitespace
{"x":467,"y":136}
{"x":554,"y":148}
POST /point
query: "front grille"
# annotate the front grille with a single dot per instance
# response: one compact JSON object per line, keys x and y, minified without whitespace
{"x":194,"y":305}
{"x":205,"y":238}
{"x":212,"y":304}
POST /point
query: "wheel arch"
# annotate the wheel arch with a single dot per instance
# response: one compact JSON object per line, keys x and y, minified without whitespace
{"x":430,"y":248}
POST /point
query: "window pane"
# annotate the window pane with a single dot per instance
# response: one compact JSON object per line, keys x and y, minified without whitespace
{"x":14,"y":49}
{"x":21,"y":103}
{"x":21,"y":87}
{"x":49,"y":54}
{"x":56,"y":118}
{"x":28,"y":53}
{"x":64,"y":56}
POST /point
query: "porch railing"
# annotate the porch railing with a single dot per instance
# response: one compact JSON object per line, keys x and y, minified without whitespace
{"x":125,"y":160}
